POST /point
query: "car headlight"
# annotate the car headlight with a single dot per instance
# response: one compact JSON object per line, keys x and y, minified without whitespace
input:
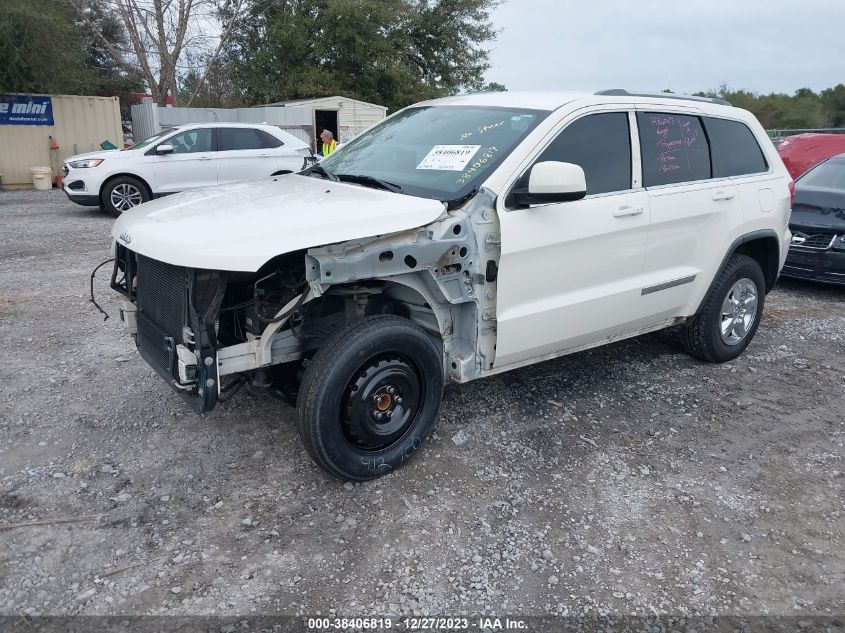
{"x":87,"y":162}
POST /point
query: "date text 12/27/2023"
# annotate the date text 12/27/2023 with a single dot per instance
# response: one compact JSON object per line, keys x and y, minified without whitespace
{"x":417,"y":624}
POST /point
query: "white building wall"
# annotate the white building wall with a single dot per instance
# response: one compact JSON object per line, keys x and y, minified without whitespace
{"x":353,"y":116}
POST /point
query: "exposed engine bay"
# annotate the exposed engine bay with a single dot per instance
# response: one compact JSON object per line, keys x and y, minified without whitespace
{"x":207,"y":333}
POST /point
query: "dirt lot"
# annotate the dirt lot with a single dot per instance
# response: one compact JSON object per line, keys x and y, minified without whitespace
{"x":626,"y":480}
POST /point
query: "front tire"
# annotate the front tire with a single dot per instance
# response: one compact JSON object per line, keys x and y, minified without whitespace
{"x":124,"y":193}
{"x":730,"y":315}
{"x":369,"y":397}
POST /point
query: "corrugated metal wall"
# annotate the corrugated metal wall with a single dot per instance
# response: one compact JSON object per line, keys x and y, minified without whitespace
{"x":80,"y":125}
{"x":147,"y":119}
{"x":297,"y":118}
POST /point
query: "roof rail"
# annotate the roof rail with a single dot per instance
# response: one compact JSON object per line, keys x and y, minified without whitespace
{"x":621,"y":92}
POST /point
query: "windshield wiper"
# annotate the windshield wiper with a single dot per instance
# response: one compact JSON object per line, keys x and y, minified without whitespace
{"x":361,"y":179}
{"x":319,"y":169}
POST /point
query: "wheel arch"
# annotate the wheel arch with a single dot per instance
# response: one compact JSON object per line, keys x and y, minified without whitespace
{"x":762,"y":246}
{"x":408,"y":296}
{"x":412,"y":296}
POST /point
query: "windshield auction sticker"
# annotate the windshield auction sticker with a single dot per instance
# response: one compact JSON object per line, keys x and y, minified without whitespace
{"x":449,"y":157}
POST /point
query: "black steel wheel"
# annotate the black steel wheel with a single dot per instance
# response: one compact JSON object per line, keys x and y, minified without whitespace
{"x":370,"y":396}
{"x":381,"y":402}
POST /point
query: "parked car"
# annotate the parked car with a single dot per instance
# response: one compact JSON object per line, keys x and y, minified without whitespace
{"x":818,"y":224}
{"x":185,"y":157}
{"x":802,"y":152}
{"x":457,"y":239}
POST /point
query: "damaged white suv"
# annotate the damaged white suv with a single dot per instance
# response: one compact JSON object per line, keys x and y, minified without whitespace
{"x":457,"y":239}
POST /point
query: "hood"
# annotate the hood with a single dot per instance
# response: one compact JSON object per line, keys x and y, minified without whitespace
{"x":108,"y":154}
{"x":241,"y":226}
{"x":818,"y":208}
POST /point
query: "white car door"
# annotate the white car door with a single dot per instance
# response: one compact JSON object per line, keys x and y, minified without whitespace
{"x":192,"y":163}
{"x":691,"y":212}
{"x":570,"y":273}
{"x":245,"y":153}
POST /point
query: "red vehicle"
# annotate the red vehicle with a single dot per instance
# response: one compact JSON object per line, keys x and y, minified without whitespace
{"x":802,"y":152}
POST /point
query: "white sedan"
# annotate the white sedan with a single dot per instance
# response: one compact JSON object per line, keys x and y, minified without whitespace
{"x":185,"y":157}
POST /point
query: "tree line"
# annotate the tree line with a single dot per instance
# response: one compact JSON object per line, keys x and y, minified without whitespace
{"x":804,"y":109}
{"x":230,"y":53}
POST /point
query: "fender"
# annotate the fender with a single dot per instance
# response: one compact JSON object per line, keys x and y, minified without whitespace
{"x":742,"y":239}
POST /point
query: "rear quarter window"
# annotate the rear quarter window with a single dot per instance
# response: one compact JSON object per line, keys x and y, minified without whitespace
{"x":674,"y":148}
{"x":734,"y":149}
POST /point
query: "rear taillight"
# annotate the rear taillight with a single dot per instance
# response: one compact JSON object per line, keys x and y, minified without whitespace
{"x":791,"y":194}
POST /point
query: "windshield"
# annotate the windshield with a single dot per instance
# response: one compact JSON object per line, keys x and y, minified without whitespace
{"x":829,"y":174}
{"x":150,"y":140}
{"x":440,"y":152}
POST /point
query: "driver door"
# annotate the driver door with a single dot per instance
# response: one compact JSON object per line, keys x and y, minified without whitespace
{"x":570,"y":273}
{"x":193,"y":162}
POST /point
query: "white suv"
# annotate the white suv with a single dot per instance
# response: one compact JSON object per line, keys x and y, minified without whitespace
{"x":181,"y":158}
{"x":457,"y":239}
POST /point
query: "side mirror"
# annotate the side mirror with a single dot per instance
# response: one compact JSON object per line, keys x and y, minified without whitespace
{"x":552,"y":181}
{"x":164,"y":148}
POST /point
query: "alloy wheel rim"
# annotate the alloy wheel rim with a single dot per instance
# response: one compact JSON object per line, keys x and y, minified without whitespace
{"x":381,"y":403}
{"x":125,"y":196}
{"x":739,"y":311}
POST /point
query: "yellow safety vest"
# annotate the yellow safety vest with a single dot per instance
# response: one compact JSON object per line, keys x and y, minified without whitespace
{"x":329,"y":148}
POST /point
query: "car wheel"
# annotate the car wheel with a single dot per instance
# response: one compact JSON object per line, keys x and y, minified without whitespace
{"x":369,"y":397}
{"x":124,"y":193}
{"x":728,"y":319}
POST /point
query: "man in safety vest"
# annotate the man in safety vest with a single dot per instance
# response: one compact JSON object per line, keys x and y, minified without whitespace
{"x":329,"y":144}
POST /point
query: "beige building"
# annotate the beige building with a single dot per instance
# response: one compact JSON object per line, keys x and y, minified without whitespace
{"x":345,"y":117}
{"x":79,"y":124}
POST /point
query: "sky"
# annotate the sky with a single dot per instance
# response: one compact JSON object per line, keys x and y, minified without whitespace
{"x":682,"y":45}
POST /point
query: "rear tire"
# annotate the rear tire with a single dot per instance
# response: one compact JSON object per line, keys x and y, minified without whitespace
{"x":730,"y":314}
{"x":123,"y":193}
{"x":369,"y":397}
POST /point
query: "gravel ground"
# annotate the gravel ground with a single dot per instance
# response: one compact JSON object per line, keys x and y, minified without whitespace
{"x":626,"y":480}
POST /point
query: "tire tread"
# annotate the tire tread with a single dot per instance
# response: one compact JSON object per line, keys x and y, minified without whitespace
{"x":320,"y":365}
{"x":695,"y":334}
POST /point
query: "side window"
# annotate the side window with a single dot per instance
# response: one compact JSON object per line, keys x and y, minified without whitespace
{"x":239,"y":138}
{"x":601,"y":145}
{"x":674,"y":148}
{"x":192,"y":141}
{"x":270,"y":140}
{"x":735,"y":150}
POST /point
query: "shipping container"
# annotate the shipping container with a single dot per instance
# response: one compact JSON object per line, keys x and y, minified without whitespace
{"x":77,"y":123}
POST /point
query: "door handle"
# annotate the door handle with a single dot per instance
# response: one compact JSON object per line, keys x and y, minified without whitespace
{"x":264,"y":156}
{"x":723,"y":195}
{"x":204,"y":158}
{"x":626,"y":210}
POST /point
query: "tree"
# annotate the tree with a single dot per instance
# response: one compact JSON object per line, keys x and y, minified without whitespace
{"x":393,"y":52}
{"x":46,"y":49}
{"x":493,"y":86}
{"x":802,"y":110}
{"x":833,"y":101}
{"x":42,"y":49}
{"x":161,"y":33}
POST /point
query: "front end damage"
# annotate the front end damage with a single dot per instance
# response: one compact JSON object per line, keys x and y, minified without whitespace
{"x":205,"y":331}
{"x":172,"y":312}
